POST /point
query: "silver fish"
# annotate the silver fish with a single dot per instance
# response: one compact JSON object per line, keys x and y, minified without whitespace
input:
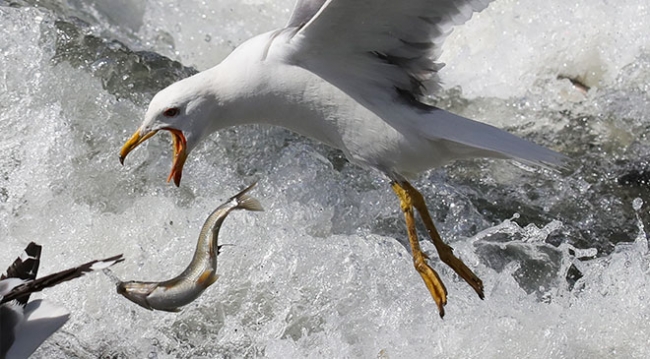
{"x":172,"y":294}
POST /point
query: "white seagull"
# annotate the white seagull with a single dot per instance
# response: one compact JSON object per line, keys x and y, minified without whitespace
{"x":25,"y":324}
{"x":354,"y":74}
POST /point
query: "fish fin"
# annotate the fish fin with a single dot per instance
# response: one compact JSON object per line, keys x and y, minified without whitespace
{"x":219,"y":247}
{"x":246,"y":202}
{"x":172,"y":310}
{"x":207,"y":279}
{"x":213,"y":278}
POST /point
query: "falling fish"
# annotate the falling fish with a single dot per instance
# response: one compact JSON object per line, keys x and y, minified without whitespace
{"x":172,"y":294}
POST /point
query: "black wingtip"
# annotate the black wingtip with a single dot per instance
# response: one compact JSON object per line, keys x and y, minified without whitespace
{"x":23,"y":291}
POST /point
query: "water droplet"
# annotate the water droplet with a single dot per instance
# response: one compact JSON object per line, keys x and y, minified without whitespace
{"x":637,"y":204}
{"x":207,"y":38}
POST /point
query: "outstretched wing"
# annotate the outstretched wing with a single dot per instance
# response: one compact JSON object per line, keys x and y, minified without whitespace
{"x":366,"y":46}
{"x":382,"y":53}
{"x":39,"y":284}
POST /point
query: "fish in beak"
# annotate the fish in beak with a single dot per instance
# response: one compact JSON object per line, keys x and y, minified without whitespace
{"x":179,"y":148}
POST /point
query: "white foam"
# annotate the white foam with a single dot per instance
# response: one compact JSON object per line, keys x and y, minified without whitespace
{"x":216,"y":29}
{"x":505,"y":50}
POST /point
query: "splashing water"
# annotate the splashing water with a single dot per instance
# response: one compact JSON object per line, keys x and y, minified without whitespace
{"x":324,"y":272}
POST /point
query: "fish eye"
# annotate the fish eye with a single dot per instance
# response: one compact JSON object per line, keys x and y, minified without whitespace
{"x":171,"y":112}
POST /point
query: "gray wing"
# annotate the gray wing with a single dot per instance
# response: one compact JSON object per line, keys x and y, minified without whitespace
{"x":382,"y":53}
{"x":303,"y":11}
{"x":363,"y":46}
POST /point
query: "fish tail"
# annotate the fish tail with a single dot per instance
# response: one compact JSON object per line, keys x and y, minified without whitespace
{"x":247,"y":202}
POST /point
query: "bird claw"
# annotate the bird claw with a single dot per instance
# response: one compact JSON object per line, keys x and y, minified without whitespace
{"x":410,"y":198}
{"x":432,"y":281}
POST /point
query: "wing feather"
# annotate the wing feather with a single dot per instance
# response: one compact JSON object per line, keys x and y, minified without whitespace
{"x":303,"y":11}
{"x":385,"y":43}
{"x":382,"y":53}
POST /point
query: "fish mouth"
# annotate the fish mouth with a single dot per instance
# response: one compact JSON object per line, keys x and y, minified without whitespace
{"x":179,"y":147}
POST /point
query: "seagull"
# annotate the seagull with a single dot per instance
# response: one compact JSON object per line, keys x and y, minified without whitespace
{"x":26,"y":324}
{"x":355,"y":75}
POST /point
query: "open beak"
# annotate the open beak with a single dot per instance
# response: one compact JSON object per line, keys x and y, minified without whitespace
{"x":179,"y":148}
{"x":134,"y":142}
{"x":180,"y":155}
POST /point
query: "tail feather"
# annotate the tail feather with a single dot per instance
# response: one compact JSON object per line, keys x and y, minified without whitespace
{"x":488,"y":140}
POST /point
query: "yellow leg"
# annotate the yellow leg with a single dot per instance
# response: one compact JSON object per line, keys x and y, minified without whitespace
{"x":444,"y":251}
{"x":430,"y":277}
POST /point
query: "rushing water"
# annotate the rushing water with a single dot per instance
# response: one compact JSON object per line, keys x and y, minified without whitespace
{"x":323,"y":272}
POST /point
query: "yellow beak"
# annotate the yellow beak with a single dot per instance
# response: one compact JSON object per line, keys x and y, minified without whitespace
{"x":179,"y":148}
{"x":134,"y":142}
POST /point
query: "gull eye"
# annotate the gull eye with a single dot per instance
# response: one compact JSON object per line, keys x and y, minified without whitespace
{"x":171,"y":112}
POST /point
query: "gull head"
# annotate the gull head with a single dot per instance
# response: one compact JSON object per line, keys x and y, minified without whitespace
{"x":185,"y":109}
